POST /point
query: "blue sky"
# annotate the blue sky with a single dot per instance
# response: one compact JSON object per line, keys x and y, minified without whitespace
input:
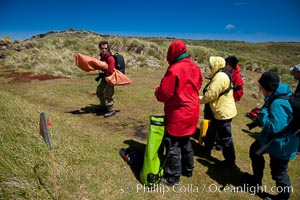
{"x":245,"y":20}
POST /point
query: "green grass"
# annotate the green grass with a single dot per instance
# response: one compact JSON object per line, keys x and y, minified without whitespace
{"x":87,"y":164}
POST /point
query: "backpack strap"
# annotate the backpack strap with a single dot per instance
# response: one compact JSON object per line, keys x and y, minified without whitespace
{"x":225,"y":91}
{"x":237,"y":87}
{"x":230,"y":86}
{"x":273,"y":98}
{"x":107,"y":56}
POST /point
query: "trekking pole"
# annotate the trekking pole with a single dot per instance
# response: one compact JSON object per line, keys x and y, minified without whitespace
{"x":45,"y":134}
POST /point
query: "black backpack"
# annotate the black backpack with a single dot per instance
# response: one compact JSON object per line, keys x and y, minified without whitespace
{"x":119,"y":62}
{"x":295,"y":103}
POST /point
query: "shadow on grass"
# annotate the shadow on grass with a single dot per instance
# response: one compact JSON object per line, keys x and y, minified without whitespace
{"x":136,"y":151}
{"x":199,"y":149}
{"x":223,"y":175}
{"x":226,"y":176}
{"x":90,"y":109}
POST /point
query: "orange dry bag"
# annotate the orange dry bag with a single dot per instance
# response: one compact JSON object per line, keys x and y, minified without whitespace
{"x":87,"y":63}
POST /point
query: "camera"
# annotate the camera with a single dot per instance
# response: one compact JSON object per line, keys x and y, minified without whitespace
{"x":253,"y":114}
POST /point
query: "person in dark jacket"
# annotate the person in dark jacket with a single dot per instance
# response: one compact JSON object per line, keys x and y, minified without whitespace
{"x":105,"y":91}
{"x":296,"y":73}
{"x":274,"y":117}
{"x":179,"y":91}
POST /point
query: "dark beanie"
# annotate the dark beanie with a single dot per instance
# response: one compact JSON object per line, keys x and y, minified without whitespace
{"x":232,"y":61}
{"x":269,"y":81}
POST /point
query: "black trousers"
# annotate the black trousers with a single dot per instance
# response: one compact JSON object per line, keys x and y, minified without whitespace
{"x":278,"y":171}
{"x":180,"y":156}
{"x":222,"y":130}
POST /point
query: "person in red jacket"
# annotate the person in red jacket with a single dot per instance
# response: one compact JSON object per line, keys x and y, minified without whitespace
{"x":237,"y":83}
{"x":178,"y":91}
{"x":105,"y":91}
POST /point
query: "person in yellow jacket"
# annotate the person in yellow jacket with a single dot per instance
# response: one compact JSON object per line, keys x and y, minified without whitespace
{"x":221,"y":103}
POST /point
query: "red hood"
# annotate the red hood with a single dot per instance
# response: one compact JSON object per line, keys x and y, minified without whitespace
{"x":237,"y":69}
{"x":176,"y":48}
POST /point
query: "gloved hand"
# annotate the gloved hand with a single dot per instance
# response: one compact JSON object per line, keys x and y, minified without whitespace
{"x":97,"y":78}
{"x":253,"y":124}
{"x":253,"y":114}
{"x":100,"y":76}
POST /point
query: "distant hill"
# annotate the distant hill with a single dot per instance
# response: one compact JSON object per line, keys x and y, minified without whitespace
{"x":53,"y":52}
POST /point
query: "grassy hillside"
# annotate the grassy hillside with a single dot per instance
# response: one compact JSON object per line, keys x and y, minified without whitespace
{"x":53,"y":52}
{"x":86,"y":163}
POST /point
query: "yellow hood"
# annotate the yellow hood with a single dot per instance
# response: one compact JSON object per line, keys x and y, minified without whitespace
{"x":216,"y":62}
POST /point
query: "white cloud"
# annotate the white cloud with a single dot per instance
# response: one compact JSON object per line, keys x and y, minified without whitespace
{"x":240,"y":3}
{"x":229,"y":27}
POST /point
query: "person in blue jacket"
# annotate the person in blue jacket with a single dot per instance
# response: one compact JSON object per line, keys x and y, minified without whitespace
{"x":273,"y":119}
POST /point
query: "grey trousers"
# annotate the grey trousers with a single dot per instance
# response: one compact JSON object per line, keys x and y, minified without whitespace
{"x":105,"y":94}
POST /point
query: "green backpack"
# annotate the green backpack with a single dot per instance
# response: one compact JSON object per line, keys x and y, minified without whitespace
{"x":152,"y":169}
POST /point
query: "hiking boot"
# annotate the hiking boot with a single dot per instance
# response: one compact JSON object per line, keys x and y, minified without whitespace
{"x":250,"y":179}
{"x":171,"y":181}
{"x":255,"y":185}
{"x":187,"y":173}
{"x":109,"y":114}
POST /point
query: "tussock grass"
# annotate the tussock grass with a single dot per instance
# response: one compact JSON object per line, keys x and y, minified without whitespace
{"x":54,"y":52}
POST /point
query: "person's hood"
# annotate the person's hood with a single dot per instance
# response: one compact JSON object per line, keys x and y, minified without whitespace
{"x":237,"y":69}
{"x":283,"y":89}
{"x":177,"y":48}
{"x":216,"y":62}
